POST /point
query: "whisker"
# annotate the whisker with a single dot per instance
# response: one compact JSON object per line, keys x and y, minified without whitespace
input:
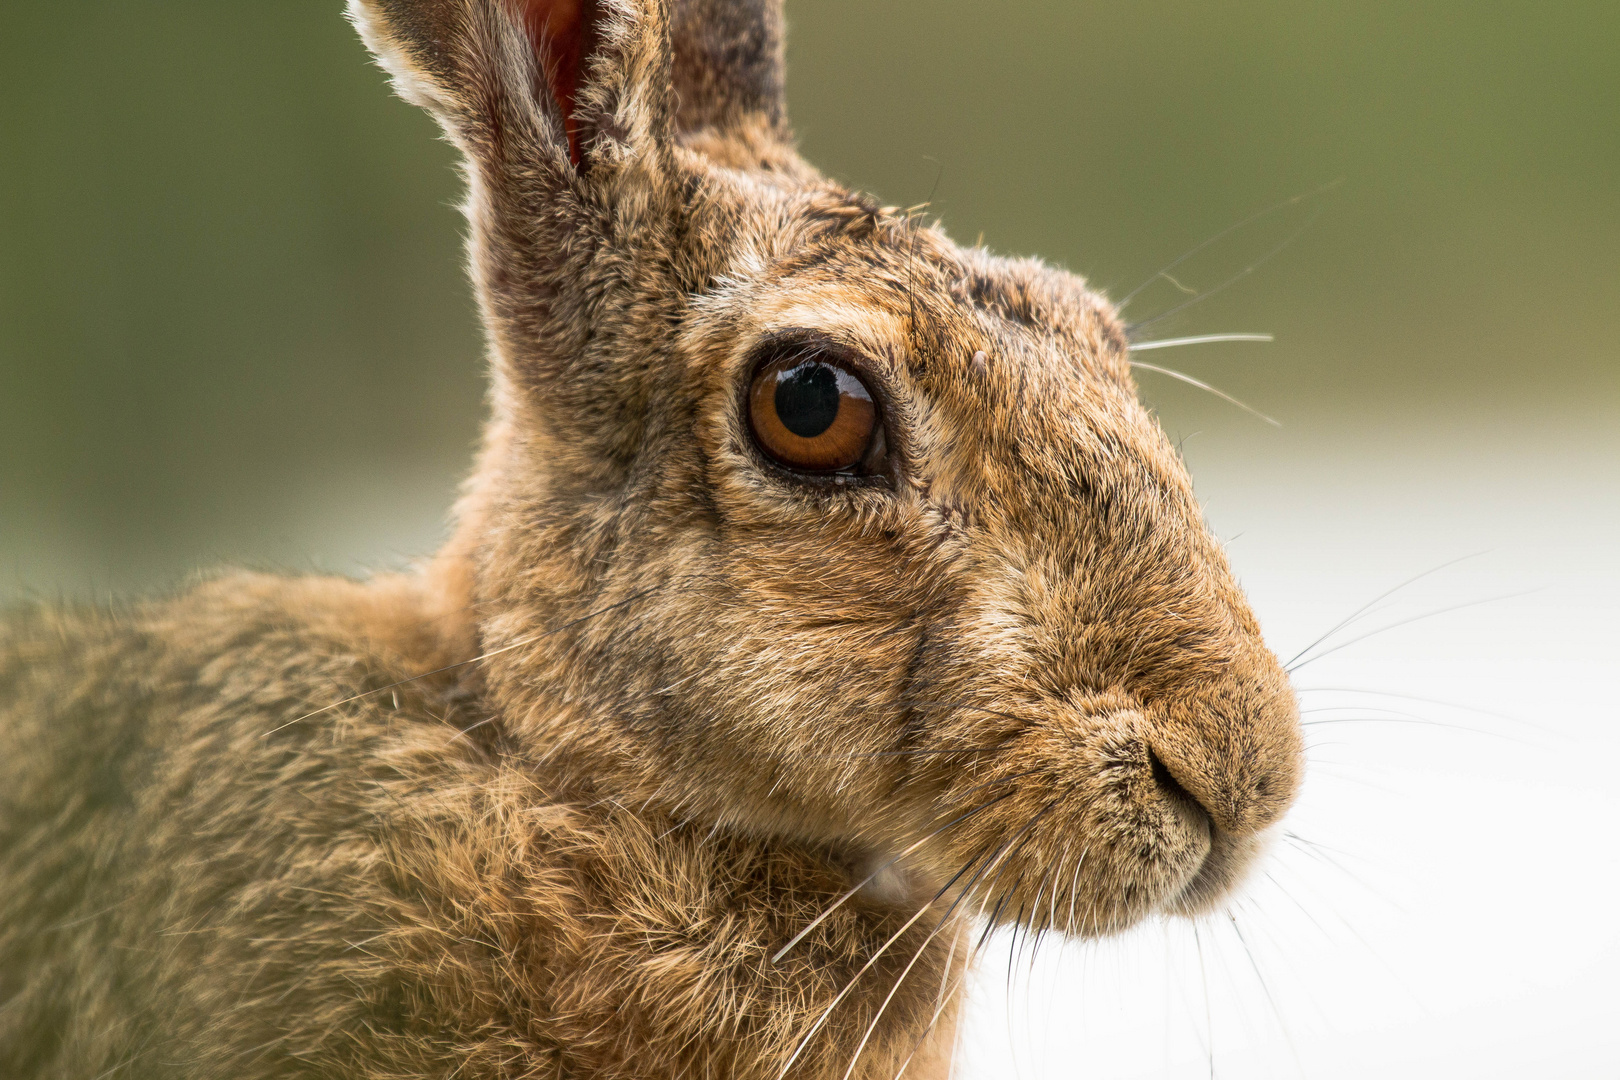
{"x":856,"y":1057}
{"x":1457,"y":705}
{"x":1317,"y":844}
{"x":1209,"y":1018}
{"x":911,"y":254}
{"x":1131,"y":330}
{"x":999,"y":780}
{"x":1074,"y":889}
{"x":1190,"y":381}
{"x":1404,"y":622}
{"x":1389,"y":968}
{"x":822,"y":1019}
{"x":1395,"y":717}
{"x":1228,"y":231}
{"x":1057,"y":876}
{"x":836,"y":904}
{"x":1197,"y":339}
{"x":1022,"y":926}
{"x":1322,"y":854}
{"x":1309,"y":915}
{"x":1005,"y":850}
{"x":1322,"y":768}
{"x":939,"y":1010}
{"x":944,"y":919}
{"x":472,"y":727}
{"x":1265,"y":988}
{"x":1386,"y":594}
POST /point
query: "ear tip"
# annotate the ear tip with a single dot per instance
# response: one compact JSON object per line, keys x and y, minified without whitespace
{"x":729,"y":63}
{"x":545,"y":74}
{"x":411,"y":53}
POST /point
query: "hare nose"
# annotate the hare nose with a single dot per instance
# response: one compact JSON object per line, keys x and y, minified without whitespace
{"x":1166,"y":782}
{"x":1237,"y":756}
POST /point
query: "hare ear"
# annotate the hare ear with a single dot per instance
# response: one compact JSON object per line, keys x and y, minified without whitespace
{"x":562,"y":109}
{"x":729,"y":65}
{"x":567,"y":84}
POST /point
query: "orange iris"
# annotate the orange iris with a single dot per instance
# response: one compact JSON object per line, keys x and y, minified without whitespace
{"x":811,"y":415}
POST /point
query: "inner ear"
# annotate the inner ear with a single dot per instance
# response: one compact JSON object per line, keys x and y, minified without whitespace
{"x":563,"y":33}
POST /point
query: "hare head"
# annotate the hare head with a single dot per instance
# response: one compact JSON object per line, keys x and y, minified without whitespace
{"x":796,"y":517}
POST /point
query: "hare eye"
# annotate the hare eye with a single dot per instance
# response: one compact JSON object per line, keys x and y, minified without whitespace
{"x":812,"y":414}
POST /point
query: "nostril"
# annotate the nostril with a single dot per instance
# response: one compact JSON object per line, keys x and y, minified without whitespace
{"x":1167,"y":782}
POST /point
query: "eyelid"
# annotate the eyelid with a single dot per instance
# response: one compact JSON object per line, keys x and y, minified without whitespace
{"x":852,"y":354}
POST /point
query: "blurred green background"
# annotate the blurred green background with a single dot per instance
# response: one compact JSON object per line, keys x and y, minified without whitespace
{"x":233,"y":324}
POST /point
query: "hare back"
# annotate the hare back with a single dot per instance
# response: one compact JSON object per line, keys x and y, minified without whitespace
{"x":202,"y":877}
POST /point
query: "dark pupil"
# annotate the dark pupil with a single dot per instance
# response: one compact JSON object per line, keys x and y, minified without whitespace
{"x":807,"y":399}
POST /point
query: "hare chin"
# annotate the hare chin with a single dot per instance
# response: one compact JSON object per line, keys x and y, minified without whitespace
{"x":1223,"y":864}
{"x":1196,"y":867}
{"x":1224,"y":868}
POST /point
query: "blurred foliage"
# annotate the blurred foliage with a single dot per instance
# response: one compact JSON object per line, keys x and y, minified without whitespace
{"x":233,"y":324}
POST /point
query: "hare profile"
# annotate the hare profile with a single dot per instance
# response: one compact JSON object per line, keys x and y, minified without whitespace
{"x":821,"y":588}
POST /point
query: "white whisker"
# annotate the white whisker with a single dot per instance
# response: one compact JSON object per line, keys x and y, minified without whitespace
{"x":856,"y":1057}
{"x":836,"y":904}
{"x":1222,"y":394}
{"x":1197,"y":339}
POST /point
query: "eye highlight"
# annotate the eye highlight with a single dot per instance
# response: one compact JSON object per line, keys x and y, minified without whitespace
{"x":809,"y":412}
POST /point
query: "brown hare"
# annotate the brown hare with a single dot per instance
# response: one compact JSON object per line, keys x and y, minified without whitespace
{"x":821,"y":592}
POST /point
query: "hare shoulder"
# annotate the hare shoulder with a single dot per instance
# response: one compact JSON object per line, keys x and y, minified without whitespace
{"x":199,"y":879}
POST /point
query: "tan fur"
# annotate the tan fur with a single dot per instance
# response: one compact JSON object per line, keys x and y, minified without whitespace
{"x":554,"y":805}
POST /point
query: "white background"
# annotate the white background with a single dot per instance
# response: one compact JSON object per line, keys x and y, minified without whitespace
{"x":1459,"y":917}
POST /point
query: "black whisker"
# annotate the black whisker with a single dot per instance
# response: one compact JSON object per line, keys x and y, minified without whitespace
{"x":1404,"y":622}
{"x":1386,"y":594}
{"x":1008,"y":849}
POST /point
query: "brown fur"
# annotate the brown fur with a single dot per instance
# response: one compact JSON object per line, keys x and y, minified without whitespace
{"x":554,"y":805}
